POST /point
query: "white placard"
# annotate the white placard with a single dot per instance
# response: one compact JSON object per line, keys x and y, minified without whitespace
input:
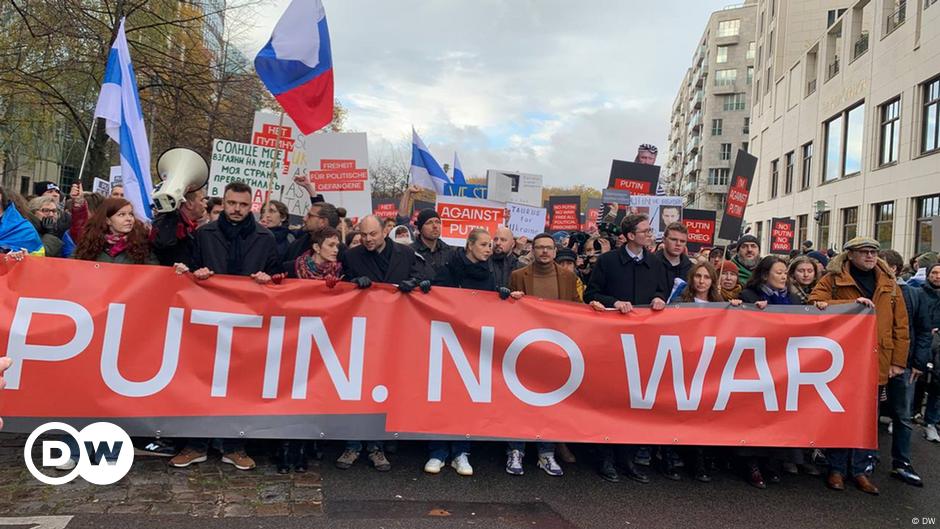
{"x":115,"y":176}
{"x":661,"y":210}
{"x":102,"y":187}
{"x":525,"y":221}
{"x":515,"y":187}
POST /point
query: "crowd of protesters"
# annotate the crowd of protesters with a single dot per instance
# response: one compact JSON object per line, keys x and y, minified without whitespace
{"x":616,"y":268}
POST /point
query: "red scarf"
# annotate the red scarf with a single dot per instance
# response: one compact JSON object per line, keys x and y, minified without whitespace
{"x":185,"y":227}
{"x":116,"y":244}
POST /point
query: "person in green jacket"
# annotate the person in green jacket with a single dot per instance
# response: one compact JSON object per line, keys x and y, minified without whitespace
{"x":114,"y":235}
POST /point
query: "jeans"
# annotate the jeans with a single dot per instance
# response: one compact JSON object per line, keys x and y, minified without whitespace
{"x":900,"y":395}
{"x":443,"y":449}
{"x":542,"y":447}
{"x":862,"y":461}
{"x":228,"y":445}
{"x":932,"y":415}
{"x":372,"y":446}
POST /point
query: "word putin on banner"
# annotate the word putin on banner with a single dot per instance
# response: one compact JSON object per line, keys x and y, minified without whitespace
{"x":153,"y":351}
{"x":460,"y":215}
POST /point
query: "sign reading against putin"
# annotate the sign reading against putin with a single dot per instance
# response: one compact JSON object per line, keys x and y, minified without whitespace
{"x":459,"y":216}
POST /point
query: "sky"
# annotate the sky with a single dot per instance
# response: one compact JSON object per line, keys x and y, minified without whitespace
{"x":550,"y":87}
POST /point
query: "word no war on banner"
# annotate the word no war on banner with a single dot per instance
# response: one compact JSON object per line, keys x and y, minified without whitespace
{"x":459,"y":216}
{"x":142,"y":344}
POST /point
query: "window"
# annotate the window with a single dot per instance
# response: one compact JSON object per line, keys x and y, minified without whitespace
{"x":729,"y":28}
{"x":849,"y":224}
{"x":774,"y":176}
{"x":760,"y":52}
{"x":927,"y":207}
{"x":734,"y":102}
{"x":725,"y":77}
{"x":747,"y":126}
{"x":718,"y":177}
{"x":770,"y":44}
{"x":716,"y":127}
{"x":931,"y":137}
{"x":884,"y":223}
{"x":806,"y":166}
{"x":854,"y":129}
{"x":751,"y":48}
{"x":802,"y":225}
{"x":722,"y":55}
{"x":833,"y":146}
{"x":768,"y":85}
{"x":725,"y":152}
{"x":759,"y":232}
{"x":822,"y":230}
{"x":788,"y":172}
{"x":890,"y":131}
{"x":750,"y":74}
{"x":832,"y":15}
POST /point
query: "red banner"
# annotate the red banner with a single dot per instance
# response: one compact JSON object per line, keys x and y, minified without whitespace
{"x":151,"y":351}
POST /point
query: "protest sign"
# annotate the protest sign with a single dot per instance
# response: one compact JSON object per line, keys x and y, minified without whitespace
{"x":460,"y":215}
{"x":564,"y":213}
{"x":102,"y":187}
{"x":386,"y":208}
{"x":592,"y":214}
{"x":150,"y":350}
{"x":738,"y":193}
{"x":515,"y":187}
{"x":637,"y":178}
{"x":525,"y":221}
{"x":465,"y":190}
{"x":114,"y":178}
{"x":701,"y":226}
{"x":661,"y":210}
{"x":782,"y":232}
{"x":242,"y":162}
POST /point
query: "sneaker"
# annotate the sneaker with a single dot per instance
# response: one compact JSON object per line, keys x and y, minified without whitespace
{"x":433,"y":466}
{"x":891,"y":427}
{"x":377,"y":457}
{"x":347,"y":459}
{"x":68,"y":465}
{"x":514,"y":463}
{"x":642,"y":456}
{"x":187,"y":457}
{"x":549,"y":465}
{"x":462,"y":465}
{"x":930,"y":433}
{"x":157,"y":448}
{"x":239,"y":460}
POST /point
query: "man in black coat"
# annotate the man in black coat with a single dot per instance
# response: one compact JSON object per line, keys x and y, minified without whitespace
{"x":428,"y":244}
{"x":621,"y":279}
{"x":175,"y":231}
{"x":673,"y":254}
{"x":504,"y":260}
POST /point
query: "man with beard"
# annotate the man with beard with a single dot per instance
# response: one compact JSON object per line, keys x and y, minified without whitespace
{"x":504,"y":260}
{"x":174,"y":231}
{"x":429,"y":244}
{"x":747,"y":257}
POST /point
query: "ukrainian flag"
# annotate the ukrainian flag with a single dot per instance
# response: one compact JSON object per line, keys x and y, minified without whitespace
{"x":16,"y":233}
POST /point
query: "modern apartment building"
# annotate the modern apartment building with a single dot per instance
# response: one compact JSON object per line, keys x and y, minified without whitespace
{"x":846,"y":124}
{"x":709,"y":121}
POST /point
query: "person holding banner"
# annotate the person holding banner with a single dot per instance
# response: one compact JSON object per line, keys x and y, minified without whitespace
{"x":673,"y":253}
{"x":504,"y":259}
{"x":5,"y":364}
{"x":621,"y":279}
{"x":114,"y":235}
{"x":320,"y":215}
{"x":747,"y":257}
{"x":802,"y":275}
{"x":174,"y":232}
{"x":436,"y":253}
{"x":857,"y":275}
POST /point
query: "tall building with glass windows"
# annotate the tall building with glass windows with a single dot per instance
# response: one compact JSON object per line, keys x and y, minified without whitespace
{"x":845,"y":122}
{"x":710,"y":115}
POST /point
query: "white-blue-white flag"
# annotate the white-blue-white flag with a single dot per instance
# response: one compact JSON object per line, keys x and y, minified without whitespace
{"x":458,"y":172}
{"x":119,"y":105}
{"x":425,"y":171}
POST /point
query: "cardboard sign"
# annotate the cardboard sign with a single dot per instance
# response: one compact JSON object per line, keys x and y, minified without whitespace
{"x":465,"y":190}
{"x":738,"y":193}
{"x":564,"y":213}
{"x":385,"y":208}
{"x":661,"y":210}
{"x":102,"y":187}
{"x":525,"y":221}
{"x":701,"y":226}
{"x":782,"y":232}
{"x":460,"y":215}
{"x":242,"y":162}
{"x":515,"y":187}
{"x":114,"y":178}
{"x":638,"y":179}
{"x":591,"y":215}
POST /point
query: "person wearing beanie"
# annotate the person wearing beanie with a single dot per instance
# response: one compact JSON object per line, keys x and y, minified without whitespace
{"x":858,"y":275}
{"x":568,"y":260}
{"x":807,"y":247}
{"x":747,"y":257}
{"x":428,"y":243}
{"x":728,"y":282}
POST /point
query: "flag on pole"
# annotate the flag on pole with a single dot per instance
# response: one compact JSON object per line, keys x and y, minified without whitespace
{"x":458,"y":172}
{"x":297,"y":65}
{"x":17,"y":233}
{"x":119,"y":105}
{"x":425,"y":171}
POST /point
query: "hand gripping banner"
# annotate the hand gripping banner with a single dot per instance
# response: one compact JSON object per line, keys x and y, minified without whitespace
{"x":158,"y":353}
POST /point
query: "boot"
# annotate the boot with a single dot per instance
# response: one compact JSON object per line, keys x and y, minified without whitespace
{"x":282,"y":457}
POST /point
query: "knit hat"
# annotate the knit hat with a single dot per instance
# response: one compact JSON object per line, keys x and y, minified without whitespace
{"x":926,"y":259}
{"x":748,"y":238}
{"x":819,"y":256}
{"x":559,"y":236}
{"x":425,"y":215}
{"x":41,"y":187}
{"x":728,"y":266}
{"x":566,"y":254}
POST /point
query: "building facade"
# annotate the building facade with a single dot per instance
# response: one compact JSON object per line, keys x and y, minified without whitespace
{"x":710,"y":116}
{"x":846,"y":125}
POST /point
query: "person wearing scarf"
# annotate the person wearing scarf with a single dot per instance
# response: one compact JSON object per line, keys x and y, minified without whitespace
{"x":803,"y":274}
{"x":114,"y":235}
{"x":728,"y":283}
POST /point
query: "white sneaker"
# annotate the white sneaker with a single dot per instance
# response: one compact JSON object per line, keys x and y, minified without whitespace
{"x":68,"y":465}
{"x":930,"y":433}
{"x":891,"y":427}
{"x":549,"y":465}
{"x":433,"y":466}
{"x":462,"y":465}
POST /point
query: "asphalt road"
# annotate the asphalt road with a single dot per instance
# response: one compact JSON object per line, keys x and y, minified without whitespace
{"x":407,"y":498}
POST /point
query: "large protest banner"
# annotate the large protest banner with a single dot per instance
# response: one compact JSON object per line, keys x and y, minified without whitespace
{"x":564,"y":213}
{"x":465,"y":190}
{"x":335,"y":163}
{"x":738,"y":192}
{"x":154,"y":351}
{"x":525,"y":221}
{"x":782,"y":232}
{"x":460,"y":215}
{"x":701,"y":226}
{"x":637,"y":178}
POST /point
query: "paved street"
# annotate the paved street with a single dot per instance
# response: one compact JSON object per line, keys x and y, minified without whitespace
{"x":212,"y":495}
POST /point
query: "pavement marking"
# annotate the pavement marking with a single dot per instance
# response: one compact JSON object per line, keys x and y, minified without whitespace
{"x":38,"y":522}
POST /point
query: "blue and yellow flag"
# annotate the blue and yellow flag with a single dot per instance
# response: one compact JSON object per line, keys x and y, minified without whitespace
{"x":17,"y":233}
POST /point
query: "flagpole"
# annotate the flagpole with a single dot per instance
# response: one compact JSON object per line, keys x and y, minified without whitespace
{"x":91,"y":132}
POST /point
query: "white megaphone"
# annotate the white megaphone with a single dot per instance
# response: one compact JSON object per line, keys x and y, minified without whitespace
{"x":182,"y":170}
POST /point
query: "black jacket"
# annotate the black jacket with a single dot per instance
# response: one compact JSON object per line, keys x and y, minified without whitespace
{"x":166,"y":246}
{"x":503,"y":268}
{"x":681,"y":270}
{"x":300,"y":244}
{"x":750,"y":295}
{"x":460,"y":272}
{"x":283,"y":237}
{"x":438,"y":258}
{"x":617,"y":277}
{"x":259,"y":251}
{"x":918,"y":317}
{"x":403,"y":263}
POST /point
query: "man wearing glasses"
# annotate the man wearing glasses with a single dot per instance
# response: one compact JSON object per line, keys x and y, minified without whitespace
{"x":621,"y":280}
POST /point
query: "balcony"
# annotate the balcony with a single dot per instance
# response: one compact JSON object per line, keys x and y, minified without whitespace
{"x":726,"y":88}
{"x":693,"y":145}
{"x":810,"y":87}
{"x":692,"y":166}
{"x":861,"y":45}
{"x":696,"y":120}
{"x":833,"y":68}
{"x":697,"y":99}
{"x":896,"y":19}
{"x":714,"y":187}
